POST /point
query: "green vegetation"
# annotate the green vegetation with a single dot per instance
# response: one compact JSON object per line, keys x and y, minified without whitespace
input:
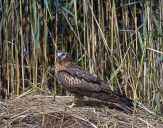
{"x":119,"y":40}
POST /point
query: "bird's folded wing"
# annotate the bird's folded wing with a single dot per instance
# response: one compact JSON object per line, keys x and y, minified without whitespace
{"x":81,"y":73}
{"x":77,"y":76}
{"x":79,"y":84}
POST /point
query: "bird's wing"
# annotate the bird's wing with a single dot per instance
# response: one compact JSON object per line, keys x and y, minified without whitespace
{"x":83,"y":74}
{"x":88,"y":78}
{"x":78,"y":81}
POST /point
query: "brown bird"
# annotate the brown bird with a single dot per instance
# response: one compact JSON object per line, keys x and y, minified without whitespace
{"x":82,"y":83}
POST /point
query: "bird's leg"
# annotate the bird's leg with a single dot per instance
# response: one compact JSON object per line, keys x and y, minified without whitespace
{"x":71,"y":104}
{"x":77,"y":98}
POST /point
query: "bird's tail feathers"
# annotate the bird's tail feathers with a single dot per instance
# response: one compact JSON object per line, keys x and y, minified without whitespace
{"x":123,"y":103}
{"x":117,"y":99}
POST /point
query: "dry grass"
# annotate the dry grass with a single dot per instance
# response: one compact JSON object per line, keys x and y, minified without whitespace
{"x":43,"y":111}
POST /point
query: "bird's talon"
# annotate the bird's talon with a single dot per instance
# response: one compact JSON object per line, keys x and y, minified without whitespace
{"x":71,"y":105}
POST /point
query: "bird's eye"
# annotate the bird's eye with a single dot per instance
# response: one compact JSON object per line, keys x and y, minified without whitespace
{"x":63,"y":54}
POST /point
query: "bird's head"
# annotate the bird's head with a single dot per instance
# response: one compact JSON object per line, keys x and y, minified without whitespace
{"x":63,"y":58}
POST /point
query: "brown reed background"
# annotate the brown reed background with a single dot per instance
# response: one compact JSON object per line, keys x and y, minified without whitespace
{"x":121,"y":41}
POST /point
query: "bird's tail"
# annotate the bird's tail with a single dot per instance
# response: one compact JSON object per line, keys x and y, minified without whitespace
{"x":124,"y":104}
{"x":116,"y":99}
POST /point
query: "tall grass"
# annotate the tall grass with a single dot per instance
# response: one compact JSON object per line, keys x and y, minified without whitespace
{"x":120,"y":41}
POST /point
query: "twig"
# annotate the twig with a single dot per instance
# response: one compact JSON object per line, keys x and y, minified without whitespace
{"x":148,"y":124}
{"x":86,"y":120}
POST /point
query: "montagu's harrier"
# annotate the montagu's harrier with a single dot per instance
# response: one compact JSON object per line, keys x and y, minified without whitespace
{"x":82,"y":83}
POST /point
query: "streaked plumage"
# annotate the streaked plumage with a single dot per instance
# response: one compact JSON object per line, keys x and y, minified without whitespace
{"x":81,"y":82}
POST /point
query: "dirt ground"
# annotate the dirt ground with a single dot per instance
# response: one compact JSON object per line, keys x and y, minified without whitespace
{"x":42,"y":111}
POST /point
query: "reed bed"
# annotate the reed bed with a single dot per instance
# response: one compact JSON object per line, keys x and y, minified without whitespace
{"x":118,"y":40}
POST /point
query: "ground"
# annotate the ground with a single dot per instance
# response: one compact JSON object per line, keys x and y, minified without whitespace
{"x":35,"y":111}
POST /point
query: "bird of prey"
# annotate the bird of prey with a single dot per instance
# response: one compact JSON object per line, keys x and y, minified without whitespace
{"x":82,"y":83}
